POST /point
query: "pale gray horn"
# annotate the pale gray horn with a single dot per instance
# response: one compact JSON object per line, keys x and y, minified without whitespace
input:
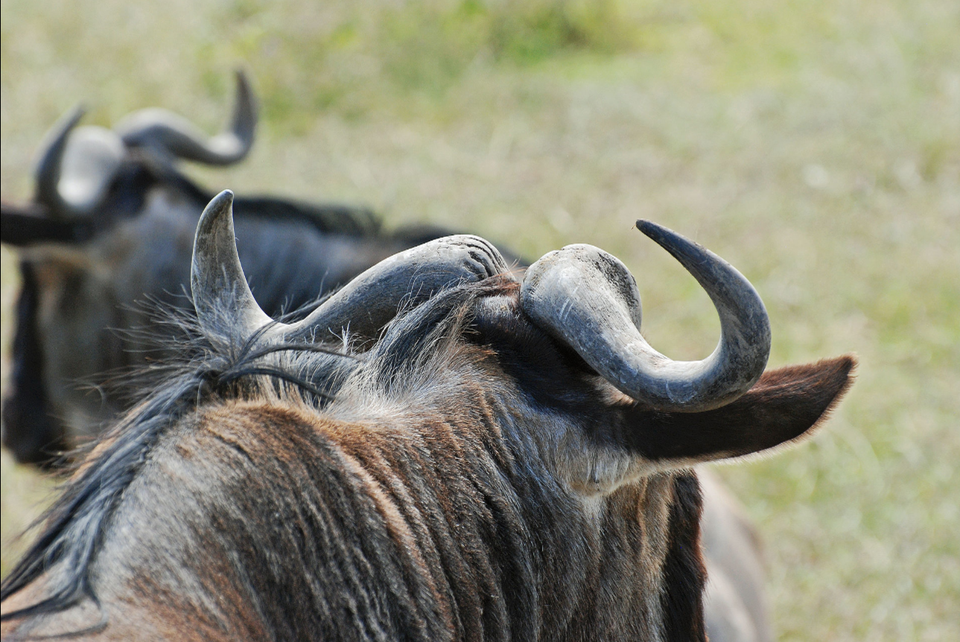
{"x":47,"y":172}
{"x":221,"y":296}
{"x":76,"y":166}
{"x":588,"y":299}
{"x":172,"y":136}
{"x":368,"y":302}
{"x":223,"y":299}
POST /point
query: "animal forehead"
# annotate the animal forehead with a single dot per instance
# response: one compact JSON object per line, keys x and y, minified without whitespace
{"x":500,"y":323}
{"x":502,"y":302}
{"x":498,"y":310}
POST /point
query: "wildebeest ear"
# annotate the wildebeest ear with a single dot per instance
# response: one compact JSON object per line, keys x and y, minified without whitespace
{"x":23,"y":225}
{"x":782,"y":407}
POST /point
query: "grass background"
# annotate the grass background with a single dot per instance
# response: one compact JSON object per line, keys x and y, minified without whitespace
{"x":815,"y":145}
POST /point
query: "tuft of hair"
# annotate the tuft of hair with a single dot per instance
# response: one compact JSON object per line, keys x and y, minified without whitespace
{"x":206,"y":370}
{"x":74,"y":524}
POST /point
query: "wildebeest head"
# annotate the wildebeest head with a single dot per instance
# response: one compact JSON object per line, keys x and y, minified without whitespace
{"x":109,"y":214}
{"x":111,"y":225}
{"x":501,"y":459}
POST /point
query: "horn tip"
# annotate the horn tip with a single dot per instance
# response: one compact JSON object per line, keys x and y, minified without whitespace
{"x":76,"y":113}
{"x":651,"y":229}
{"x":244,"y":88}
{"x":219,"y":207}
{"x":679,"y":246}
{"x":243,"y":78}
{"x":223,"y":198}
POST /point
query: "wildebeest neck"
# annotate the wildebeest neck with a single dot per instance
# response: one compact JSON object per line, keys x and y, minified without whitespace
{"x":26,"y":400}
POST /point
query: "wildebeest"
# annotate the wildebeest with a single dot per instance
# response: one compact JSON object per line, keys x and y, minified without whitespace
{"x":735,"y":600}
{"x":112,"y":224}
{"x":437,"y":452}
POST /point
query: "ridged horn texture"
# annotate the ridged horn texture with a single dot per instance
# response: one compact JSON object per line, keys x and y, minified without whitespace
{"x":174,"y":136}
{"x":220,"y":292}
{"x":223,"y":299}
{"x":76,"y":166}
{"x":588,"y":299}
{"x":406,"y":279}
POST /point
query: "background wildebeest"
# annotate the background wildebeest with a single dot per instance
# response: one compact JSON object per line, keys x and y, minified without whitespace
{"x":110,"y":226}
{"x":735,"y":599}
{"x":507,"y":460}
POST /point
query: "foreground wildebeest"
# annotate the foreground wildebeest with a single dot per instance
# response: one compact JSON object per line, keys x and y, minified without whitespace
{"x":505,"y":460}
{"x":112,"y":224}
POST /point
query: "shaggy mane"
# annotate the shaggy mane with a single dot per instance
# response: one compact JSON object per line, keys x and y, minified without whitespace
{"x":212,"y":372}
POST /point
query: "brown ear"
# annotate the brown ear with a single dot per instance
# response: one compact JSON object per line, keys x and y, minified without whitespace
{"x":783,"y":406}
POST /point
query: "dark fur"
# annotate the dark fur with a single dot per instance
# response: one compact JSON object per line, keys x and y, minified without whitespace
{"x":684,"y":572}
{"x":26,"y":403}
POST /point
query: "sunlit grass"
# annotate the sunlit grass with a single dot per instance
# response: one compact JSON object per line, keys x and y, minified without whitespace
{"x":25,"y":494}
{"x":816,"y":145}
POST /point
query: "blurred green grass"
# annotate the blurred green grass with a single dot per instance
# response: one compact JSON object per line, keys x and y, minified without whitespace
{"x":815,"y":145}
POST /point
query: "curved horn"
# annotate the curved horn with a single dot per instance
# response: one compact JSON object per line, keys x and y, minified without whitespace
{"x":89,"y":166}
{"x":223,"y":299}
{"x":76,"y":166}
{"x":173,"y":135}
{"x":220,"y":292}
{"x":47,"y":172}
{"x":589,"y":300}
{"x":368,"y":302}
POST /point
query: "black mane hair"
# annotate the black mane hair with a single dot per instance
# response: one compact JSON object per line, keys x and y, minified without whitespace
{"x":131,"y":186}
{"x":206,"y":371}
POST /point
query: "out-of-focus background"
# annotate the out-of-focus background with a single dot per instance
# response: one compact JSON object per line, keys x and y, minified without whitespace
{"x":815,"y":145}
